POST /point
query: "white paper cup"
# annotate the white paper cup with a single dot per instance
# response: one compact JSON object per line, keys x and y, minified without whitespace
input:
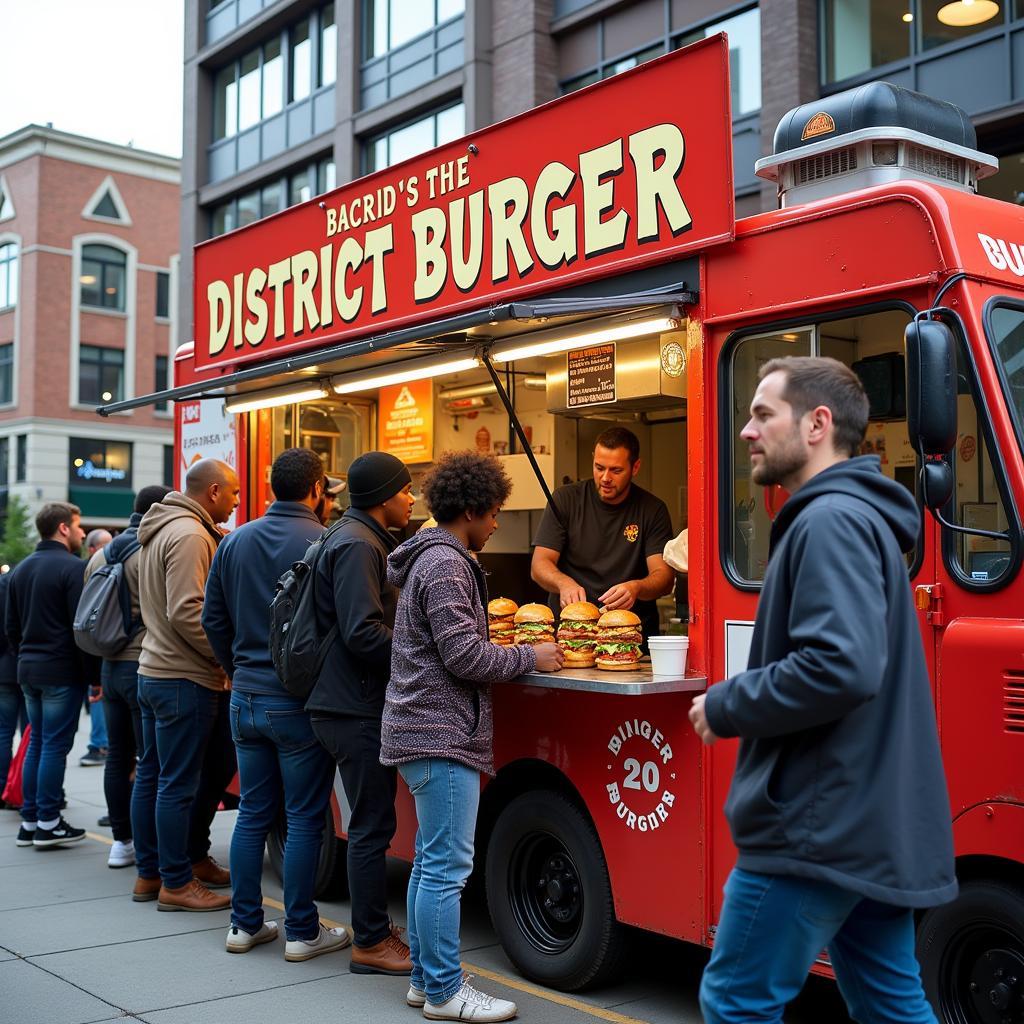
{"x":668,"y":654}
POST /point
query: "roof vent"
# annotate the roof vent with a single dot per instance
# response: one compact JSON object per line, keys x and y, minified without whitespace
{"x":872,"y":135}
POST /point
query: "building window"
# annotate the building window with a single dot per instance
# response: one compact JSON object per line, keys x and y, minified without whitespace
{"x":21,"y":459}
{"x":5,"y":461}
{"x":6,"y":374}
{"x":168,"y":480}
{"x":97,"y":463}
{"x":311,"y":181}
{"x":412,"y":139}
{"x":163,"y":290}
{"x":389,"y":24}
{"x":328,"y":72}
{"x":744,"y":31}
{"x":103,"y":277}
{"x":8,"y":275}
{"x":100,"y":374}
{"x":160,"y":381}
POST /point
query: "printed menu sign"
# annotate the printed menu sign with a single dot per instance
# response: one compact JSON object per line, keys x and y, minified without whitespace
{"x":406,"y":421}
{"x":590,"y":377}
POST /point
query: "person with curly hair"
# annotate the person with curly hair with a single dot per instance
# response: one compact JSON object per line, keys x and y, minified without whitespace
{"x":437,"y":726}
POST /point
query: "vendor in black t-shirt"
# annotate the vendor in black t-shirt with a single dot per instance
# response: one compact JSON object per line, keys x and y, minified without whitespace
{"x":601,"y":540}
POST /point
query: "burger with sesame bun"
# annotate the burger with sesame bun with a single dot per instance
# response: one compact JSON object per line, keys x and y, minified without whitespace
{"x":577,"y":633}
{"x":501,"y":621}
{"x":535,"y":624}
{"x":619,"y":636}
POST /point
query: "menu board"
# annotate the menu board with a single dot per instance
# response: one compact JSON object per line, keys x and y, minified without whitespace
{"x":206,"y":431}
{"x":406,"y":421}
{"x":590,"y":377}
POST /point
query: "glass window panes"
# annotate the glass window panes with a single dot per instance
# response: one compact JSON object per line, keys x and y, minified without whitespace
{"x":744,"y":32}
{"x":581,"y":81}
{"x":412,"y":139}
{"x":168,"y":480}
{"x":160,"y":382}
{"x":106,"y":207}
{"x":299,"y":188}
{"x":863,"y":34}
{"x":388,"y":24}
{"x":97,"y":463}
{"x":326,"y":176}
{"x":302,"y":49}
{"x":634,"y":59}
{"x":5,"y":461}
{"x":163,"y":285}
{"x":225,"y":103}
{"x":102,"y":277}
{"x":249,"y":208}
{"x":942,"y":21}
{"x":6,"y":374}
{"x":249,"y":91}
{"x":1007,"y":327}
{"x":271,"y":199}
{"x":328,"y":47}
{"x":223,"y":219}
{"x":8,"y":275}
{"x":100,"y":374}
{"x":21,"y":458}
{"x":273,"y":78}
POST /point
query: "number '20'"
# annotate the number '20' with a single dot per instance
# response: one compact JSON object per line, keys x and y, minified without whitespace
{"x":647,"y":775}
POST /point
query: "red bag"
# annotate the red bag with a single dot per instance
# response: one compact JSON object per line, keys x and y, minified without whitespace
{"x":12,"y":794}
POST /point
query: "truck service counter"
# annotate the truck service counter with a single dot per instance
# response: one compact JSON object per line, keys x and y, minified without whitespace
{"x":631,"y":684}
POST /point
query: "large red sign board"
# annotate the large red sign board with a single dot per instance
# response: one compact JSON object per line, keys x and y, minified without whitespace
{"x":622,"y":174}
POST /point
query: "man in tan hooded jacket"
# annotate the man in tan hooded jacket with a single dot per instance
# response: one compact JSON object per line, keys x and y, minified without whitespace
{"x":182,"y":689}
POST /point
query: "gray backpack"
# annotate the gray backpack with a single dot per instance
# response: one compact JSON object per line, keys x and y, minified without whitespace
{"x":103,"y":620}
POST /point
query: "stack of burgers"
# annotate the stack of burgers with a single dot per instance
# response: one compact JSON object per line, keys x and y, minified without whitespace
{"x":501,"y":621}
{"x":577,"y":633}
{"x":619,"y":638}
{"x":535,"y":624}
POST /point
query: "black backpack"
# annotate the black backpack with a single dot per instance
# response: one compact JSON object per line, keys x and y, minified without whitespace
{"x":103,"y":623}
{"x":296,"y":647}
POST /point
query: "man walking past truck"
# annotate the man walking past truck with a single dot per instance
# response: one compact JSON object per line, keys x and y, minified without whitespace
{"x":838,"y":806}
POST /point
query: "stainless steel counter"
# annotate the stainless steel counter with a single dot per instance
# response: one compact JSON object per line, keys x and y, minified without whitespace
{"x":596,"y":680}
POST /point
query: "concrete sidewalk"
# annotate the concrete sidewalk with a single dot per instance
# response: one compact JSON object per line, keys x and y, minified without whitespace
{"x":74,"y":949}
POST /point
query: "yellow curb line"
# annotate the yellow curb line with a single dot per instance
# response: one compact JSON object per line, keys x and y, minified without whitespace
{"x":483,"y":972}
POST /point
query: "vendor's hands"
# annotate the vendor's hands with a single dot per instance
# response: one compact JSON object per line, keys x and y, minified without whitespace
{"x":622,"y":595}
{"x":699,"y":720}
{"x":571,"y":594}
{"x":550,"y":657}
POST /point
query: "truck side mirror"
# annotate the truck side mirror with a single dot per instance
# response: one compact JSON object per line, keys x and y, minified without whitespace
{"x":931,"y":387}
{"x":936,"y":484}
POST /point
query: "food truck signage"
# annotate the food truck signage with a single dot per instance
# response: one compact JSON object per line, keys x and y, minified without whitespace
{"x":406,"y":421}
{"x":631,"y":171}
{"x":590,"y":376}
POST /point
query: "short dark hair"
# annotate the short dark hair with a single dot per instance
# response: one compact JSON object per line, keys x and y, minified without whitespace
{"x":52,"y":514}
{"x":819,"y":380}
{"x":465,"y":482}
{"x":620,"y":437}
{"x":294,"y":474}
{"x":149,"y":496}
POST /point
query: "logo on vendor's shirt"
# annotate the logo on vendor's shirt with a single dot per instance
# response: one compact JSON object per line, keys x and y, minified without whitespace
{"x":631,"y":533}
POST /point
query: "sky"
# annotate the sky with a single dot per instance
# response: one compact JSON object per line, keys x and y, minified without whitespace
{"x":109,"y":69}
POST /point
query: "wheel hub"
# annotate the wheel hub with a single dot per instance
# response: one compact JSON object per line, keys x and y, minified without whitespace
{"x":997,"y":987}
{"x":546,"y":893}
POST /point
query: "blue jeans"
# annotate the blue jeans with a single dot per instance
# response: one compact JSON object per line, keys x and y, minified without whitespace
{"x":447,"y":796}
{"x":97,"y":726}
{"x":276,"y":748}
{"x":177,"y":719}
{"x":12,"y":718}
{"x":53,"y":714}
{"x":772,"y":929}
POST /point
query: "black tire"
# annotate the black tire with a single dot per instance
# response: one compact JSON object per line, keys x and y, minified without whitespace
{"x":331,"y":873}
{"x":972,"y":955}
{"x":549,"y":895}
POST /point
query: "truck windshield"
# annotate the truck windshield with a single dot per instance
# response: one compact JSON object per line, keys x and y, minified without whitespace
{"x":1006,"y":334}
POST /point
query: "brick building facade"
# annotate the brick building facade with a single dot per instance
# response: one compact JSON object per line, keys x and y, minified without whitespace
{"x":88,"y":269}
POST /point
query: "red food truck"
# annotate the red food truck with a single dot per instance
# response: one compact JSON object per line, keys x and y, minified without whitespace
{"x":579,"y":266}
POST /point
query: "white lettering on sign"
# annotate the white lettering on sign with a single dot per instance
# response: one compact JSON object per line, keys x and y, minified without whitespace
{"x":88,"y":471}
{"x":639,"y":790}
{"x":1003,"y":256}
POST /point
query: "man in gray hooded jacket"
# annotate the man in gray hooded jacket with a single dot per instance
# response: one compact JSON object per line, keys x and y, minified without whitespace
{"x":838,"y":805}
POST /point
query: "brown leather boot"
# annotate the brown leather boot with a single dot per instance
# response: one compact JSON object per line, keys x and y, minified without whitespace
{"x":211,"y":874}
{"x":146,"y":889}
{"x":194,"y":897}
{"x":389,"y":956}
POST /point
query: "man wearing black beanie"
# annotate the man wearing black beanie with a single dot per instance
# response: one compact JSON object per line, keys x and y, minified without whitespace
{"x":346,"y":704}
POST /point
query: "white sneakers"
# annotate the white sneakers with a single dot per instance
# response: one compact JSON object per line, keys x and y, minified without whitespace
{"x":327,"y":941}
{"x":241,"y":942}
{"x":415,"y":997}
{"x":122,"y":855}
{"x":468,"y":1004}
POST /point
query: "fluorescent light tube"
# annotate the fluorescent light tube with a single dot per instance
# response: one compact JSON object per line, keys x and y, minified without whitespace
{"x":511,"y":351}
{"x":269,"y":399}
{"x":414,"y":370}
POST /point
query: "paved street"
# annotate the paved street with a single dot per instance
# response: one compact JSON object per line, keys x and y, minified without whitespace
{"x":74,"y":949}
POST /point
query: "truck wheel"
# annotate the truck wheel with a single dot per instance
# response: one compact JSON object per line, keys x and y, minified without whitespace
{"x":972,"y":955}
{"x":331,"y":873}
{"x":549,"y":894}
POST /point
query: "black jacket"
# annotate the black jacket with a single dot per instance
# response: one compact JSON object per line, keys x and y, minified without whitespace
{"x":352,"y":590}
{"x":42,"y":598}
{"x":839,"y":775}
{"x":8,"y":662}
{"x":236,"y":610}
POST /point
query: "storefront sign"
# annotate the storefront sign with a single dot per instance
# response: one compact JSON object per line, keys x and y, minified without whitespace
{"x":633,"y":170}
{"x":405,"y":420}
{"x":207,"y":431}
{"x":590,"y":376}
{"x":98,"y":463}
